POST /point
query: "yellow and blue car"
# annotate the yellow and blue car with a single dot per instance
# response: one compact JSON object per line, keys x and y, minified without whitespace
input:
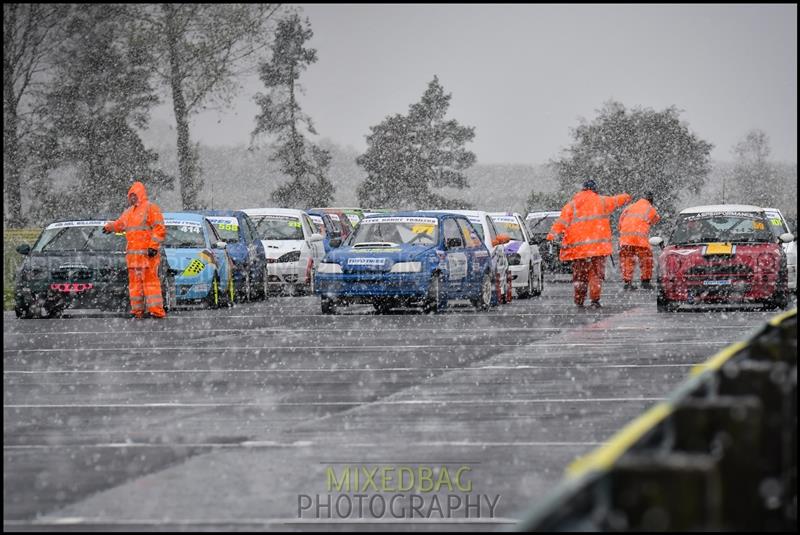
{"x":197,"y":257}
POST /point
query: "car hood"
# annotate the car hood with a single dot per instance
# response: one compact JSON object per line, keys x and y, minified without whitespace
{"x":376,"y":258}
{"x":57,"y":261}
{"x":278,"y":248}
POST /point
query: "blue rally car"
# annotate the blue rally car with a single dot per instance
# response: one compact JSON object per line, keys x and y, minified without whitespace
{"x":407,"y":258}
{"x":245,"y":250}
{"x":196,"y":255}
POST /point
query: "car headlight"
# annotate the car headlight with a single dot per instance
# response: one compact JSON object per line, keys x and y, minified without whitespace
{"x":294,"y":256}
{"x":406,"y":267}
{"x":202,"y":287}
{"x":514,"y":259}
{"x":330,"y":268}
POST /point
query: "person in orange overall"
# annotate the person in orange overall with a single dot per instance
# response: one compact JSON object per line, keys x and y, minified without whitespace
{"x":144,"y":229}
{"x":585,"y":224}
{"x":634,"y":232}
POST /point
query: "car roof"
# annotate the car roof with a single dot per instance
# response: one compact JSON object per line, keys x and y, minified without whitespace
{"x":186,"y":216}
{"x":273,"y":211}
{"x":722,"y":208}
{"x":541,"y":215}
{"x":506,"y":214}
{"x":222,"y":212}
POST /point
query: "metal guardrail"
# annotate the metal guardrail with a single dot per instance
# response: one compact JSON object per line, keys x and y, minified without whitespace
{"x":719,"y":454}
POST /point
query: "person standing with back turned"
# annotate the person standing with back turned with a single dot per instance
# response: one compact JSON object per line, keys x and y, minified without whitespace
{"x":634,"y":232}
{"x":585,"y":224}
{"x":144,"y":229}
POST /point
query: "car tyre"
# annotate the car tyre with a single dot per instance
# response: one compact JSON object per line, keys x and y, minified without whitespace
{"x":214,"y":294}
{"x":168,"y":294}
{"x":484,"y":299}
{"x":662,"y":303}
{"x":436,"y":300}
{"x":328,"y":305}
{"x":527,"y":291}
{"x":539,"y":283}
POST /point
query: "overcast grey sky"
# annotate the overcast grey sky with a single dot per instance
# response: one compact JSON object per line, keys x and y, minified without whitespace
{"x":523,"y":75}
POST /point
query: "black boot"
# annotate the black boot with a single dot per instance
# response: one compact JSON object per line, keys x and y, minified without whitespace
{"x":629,"y":286}
{"x":646,"y":285}
{"x":595,"y":304}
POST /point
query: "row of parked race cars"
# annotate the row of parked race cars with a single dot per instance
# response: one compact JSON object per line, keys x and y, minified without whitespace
{"x":722,"y":253}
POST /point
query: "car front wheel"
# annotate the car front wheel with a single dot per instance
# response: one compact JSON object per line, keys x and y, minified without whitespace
{"x":484,"y":299}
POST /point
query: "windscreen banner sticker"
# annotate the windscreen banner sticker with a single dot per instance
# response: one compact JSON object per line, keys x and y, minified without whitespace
{"x":366,"y":261}
{"x":181,"y":223}
{"x":230,"y":224}
{"x":457,"y":264}
{"x":430,"y":221}
{"x":505,"y":219}
{"x":64,"y":224}
{"x":422,"y":228}
{"x":719,"y":248}
{"x":706,"y":215}
{"x":316,"y":219}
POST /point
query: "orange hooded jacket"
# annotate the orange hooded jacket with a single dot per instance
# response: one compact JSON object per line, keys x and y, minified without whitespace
{"x":585,"y":225}
{"x":634,"y":223}
{"x":143,"y":225}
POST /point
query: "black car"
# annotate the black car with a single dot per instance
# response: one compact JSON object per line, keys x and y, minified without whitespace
{"x":74,"y":264}
{"x":539,"y":224}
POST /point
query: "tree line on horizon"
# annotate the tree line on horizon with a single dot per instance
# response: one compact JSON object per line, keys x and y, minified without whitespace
{"x":80,"y":81}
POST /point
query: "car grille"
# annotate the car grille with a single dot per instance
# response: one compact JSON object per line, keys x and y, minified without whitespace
{"x":68,"y":275}
{"x":735,"y":271}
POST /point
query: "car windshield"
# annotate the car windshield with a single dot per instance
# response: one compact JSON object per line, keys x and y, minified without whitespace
{"x":541,"y":225}
{"x":184,"y":234}
{"x":721,"y":227}
{"x":776,"y":224}
{"x":227,"y":228}
{"x":79,"y":237}
{"x":510,"y":226}
{"x":317,"y":220}
{"x":278,"y":227}
{"x":396,"y":231}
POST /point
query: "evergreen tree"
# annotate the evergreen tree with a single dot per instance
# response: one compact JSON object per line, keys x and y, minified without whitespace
{"x":754,"y":177}
{"x":281,"y":116}
{"x":99,"y":95}
{"x":635,"y":152}
{"x":408,"y":155}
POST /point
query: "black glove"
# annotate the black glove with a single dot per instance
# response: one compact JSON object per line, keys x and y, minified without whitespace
{"x":106,"y":231}
{"x":152,"y":252}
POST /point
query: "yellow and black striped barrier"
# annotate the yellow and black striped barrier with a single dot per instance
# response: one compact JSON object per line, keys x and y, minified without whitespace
{"x":719,"y":454}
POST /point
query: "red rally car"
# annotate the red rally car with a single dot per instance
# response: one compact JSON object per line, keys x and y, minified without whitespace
{"x":722,"y":254}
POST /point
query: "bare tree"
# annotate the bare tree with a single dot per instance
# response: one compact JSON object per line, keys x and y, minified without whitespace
{"x":31,"y":34}
{"x":201,"y":49}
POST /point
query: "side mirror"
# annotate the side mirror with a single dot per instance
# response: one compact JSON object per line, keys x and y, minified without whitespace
{"x":786,"y":237}
{"x":657,"y":240}
{"x":24,"y":249}
{"x":316,"y":237}
{"x":220,"y":245}
{"x":335,"y":242}
{"x":454,"y":243}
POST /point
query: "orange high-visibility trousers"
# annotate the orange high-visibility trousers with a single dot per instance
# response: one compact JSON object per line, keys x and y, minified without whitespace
{"x":627,"y":259}
{"x":145,"y":290}
{"x":588,"y":272}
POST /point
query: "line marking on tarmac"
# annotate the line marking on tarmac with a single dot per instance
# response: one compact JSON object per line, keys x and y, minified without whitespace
{"x":371,"y":348}
{"x":587,"y":367}
{"x":323,"y":403}
{"x":301,"y":444}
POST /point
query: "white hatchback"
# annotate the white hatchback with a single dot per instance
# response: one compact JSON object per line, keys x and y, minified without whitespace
{"x":524,"y":259}
{"x":292,"y":244}
{"x":778,"y":226}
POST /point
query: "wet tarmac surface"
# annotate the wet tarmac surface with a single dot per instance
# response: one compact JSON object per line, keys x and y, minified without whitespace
{"x":233,"y":419}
